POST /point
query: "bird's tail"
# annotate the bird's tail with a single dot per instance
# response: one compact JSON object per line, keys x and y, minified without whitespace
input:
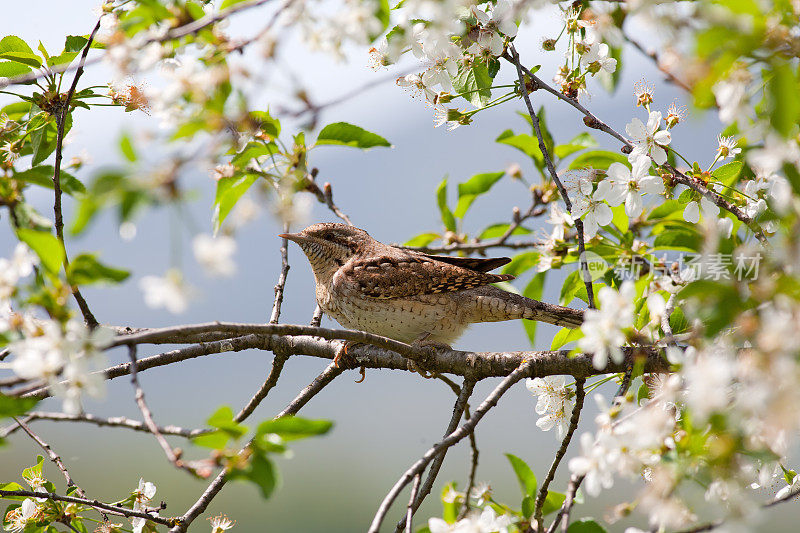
{"x":494,"y":305}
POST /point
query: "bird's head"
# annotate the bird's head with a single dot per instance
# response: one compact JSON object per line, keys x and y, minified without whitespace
{"x":328,"y":246}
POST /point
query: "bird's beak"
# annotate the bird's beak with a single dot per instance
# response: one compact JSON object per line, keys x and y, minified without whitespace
{"x":296,"y":237}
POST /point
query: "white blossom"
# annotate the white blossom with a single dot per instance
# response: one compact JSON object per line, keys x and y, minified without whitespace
{"x":727,"y":147}
{"x":554,"y":403}
{"x":170,"y":292}
{"x":602,"y":328}
{"x":143,"y":495}
{"x":629,"y":185}
{"x":215,"y":254}
{"x":593,"y":463}
{"x":11,"y":271}
{"x":591,"y":206}
{"x":648,"y":139}
{"x":597,"y":58}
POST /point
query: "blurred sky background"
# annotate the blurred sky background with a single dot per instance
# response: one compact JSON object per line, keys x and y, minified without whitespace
{"x":334,"y":483}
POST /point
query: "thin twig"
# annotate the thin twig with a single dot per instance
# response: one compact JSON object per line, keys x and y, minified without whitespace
{"x":709,"y":526}
{"x":325,"y":196}
{"x":313,"y":388}
{"x":562,"y":450}
{"x":52,"y":455}
{"x":61,"y":119}
{"x":172,"y":456}
{"x":562,"y":517}
{"x":271,"y":381}
{"x":693,"y":183}
{"x":554,"y":175}
{"x":276,"y":306}
{"x":458,"y":410}
{"x":473,"y":468}
{"x":410,"y":509}
{"x":316,"y":318}
{"x":464,"y":430}
{"x":216,"y":485}
{"x":117,"y":421}
{"x":112,"y":509}
{"x":654,"y":56}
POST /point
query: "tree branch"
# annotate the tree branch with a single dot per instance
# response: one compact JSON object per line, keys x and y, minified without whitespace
{"x":112,"y":509}
{"x":61,"y":118}
{"x":436,"y":465}
{"x":118,"y":421}
{"x":554,"y":175}
{"x":52,"y":455}
{"x":465,"y":429}
{"x":172,"y":456}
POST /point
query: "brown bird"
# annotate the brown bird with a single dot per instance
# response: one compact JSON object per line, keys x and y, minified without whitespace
{"x":410,"y":296}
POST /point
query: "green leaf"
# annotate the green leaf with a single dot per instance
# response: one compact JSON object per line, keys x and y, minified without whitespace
{"x":579,"y":142}
{"x":572,"y":283}
{"x":528,"y":506}
{"x":345,"y":134}
{"x":227,"y":429}
{"x":784,"y":104}
{"x":12,"y":43}
{"x":75,"y":43}
{"x":565,"y":336}
{"x":474,"y":187}
{"x":260,"y":471}
{"x":685,"y":241}
{"x":228,"y":3}
{"x":85,"y":269}
{"x":266,"y":123}
{"x":46,"y":246}
{"x":534,"y":291}
{"x":441,"y":199}
{"x":585,"y":525}
{"x":62,"y":59}
{"x":253,"y":150}
{"x":10,"y":406}
{"x":294,"y":427}
{"x":11,"y":69}
{"x":35,"y":470}
{"x":450,"y":507}
{"x":423,"y":239}
{"x":553,"y":502}
{"x":229,"y":190}
{"x":383,"y":14}
{"x":127,"y":149}
{"x":667,"y":208}
{"x":43,"y":175}
{"x":521,"y":263}
{"x":496,"y":230}
{"x":598,"y":159}
{"x":12,"y":486}
{"x":527,"y":144}
{"x":25,"y":58}
{"x":728,"y":173}
{"x":525,"y":476}
{"x":474,"y":81}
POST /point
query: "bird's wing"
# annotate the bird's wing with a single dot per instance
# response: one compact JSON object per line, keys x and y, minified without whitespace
{"x":472,"y":263}
{"x":400,"y":274}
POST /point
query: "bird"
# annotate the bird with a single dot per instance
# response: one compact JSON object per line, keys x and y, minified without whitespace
{"x":410,"y":296}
